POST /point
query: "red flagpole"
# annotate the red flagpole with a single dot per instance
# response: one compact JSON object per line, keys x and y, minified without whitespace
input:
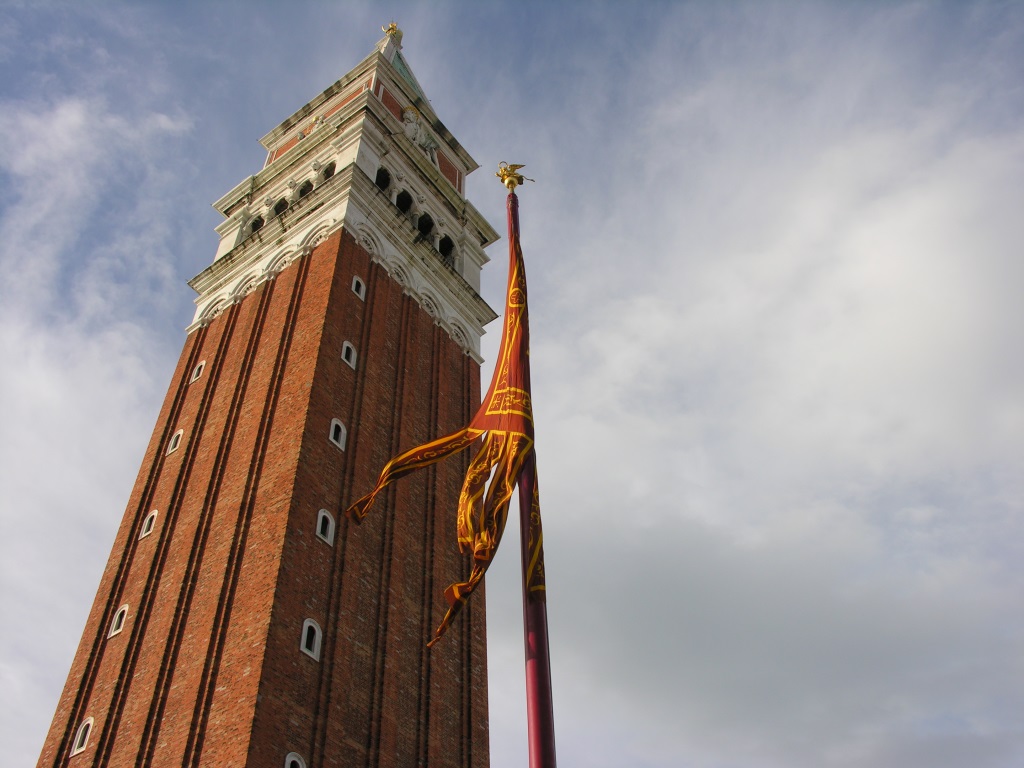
{"x":540,"y":717}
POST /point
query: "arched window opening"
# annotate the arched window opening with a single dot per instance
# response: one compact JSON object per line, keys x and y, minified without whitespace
{"x":425,"y":225}
{"x":294,"y":760}
{"x":359,"y":287}
{"x":119,"y":618}
{"x":383,"y":180}
{"x":175,"y":441}
{"x":338,"y":434}
{"x":404,"y":201}
{"x":311,"y":637}
{"x":327,"y":172}
{"x":256,"y":224}
{"x":148,"y":524}
{"x":81,"y":737}
{"x":280,"y":206}
{"x":197,"y":372}
{"x":348,"y":354}
{"x":305,"y":189}
{"x":447,"y":250}
{"x":325,"y":526}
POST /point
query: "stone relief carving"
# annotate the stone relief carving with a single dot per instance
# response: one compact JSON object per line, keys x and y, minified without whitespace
{"x":429,"y":306}
{"x":400,"y":277}
{"x":460,"y":336}
{"x":249,"y":287}
{"x":213,"y":311}
{"x":418,"y":133}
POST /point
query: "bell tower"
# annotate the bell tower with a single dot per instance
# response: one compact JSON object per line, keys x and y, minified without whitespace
{"x":240,"y":620}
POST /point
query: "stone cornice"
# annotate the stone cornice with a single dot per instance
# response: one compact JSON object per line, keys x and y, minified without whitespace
{"x":352,"y":201}
{"x":316,"y":144}
{"x":361,"y":71}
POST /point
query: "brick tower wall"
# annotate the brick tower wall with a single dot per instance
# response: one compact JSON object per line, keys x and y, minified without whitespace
{"x":208,"y":668}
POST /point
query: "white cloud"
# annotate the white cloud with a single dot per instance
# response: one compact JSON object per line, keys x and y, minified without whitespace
{"x":84,"y":368}
{"x":774,"y":264}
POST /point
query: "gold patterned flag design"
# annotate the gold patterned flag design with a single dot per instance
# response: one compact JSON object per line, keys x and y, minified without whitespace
{"x":506,"y":457}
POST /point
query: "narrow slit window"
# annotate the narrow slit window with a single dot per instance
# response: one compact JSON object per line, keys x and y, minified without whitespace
{"x":197,"y":372}
{"x":348,"y":354}
{"x":325,"y":526}
{"x":82,"y":737}
{"x":118,"y":623}
{"x":311,"y":637}
{"x":339,"y":434}
{"x":175,"y":441}
{"x":148,"y":524}
{"x":294,"y":760}
{"x":359,"y":287}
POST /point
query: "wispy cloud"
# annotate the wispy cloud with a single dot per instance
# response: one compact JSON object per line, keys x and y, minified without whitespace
{"x":774,"y":264}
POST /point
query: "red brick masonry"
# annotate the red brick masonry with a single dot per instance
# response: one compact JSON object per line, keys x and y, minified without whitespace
{"x":208,"y":670}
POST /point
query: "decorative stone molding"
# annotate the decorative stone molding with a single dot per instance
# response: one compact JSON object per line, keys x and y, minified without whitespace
{"x":369,"y":239}
{"x":459,"y":336}
{"x":352,"y":200}
{"x":281,"y":262}
{"x":430,"y":306}
{"x":398,"y":274}
{"x":212,"y":312}
{"x":245,"y":286}
{"x":318,"y":234}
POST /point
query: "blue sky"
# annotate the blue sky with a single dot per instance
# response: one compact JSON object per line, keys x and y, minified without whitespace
{"x":775,"y":263}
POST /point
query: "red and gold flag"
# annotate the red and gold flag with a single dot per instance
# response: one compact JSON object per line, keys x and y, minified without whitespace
{"x":506,"y":458}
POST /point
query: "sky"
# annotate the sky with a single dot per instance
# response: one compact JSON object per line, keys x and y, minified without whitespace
{"x":775,"y":262}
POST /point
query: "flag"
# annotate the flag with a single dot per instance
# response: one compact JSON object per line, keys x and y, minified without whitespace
{"x":506,"y":457}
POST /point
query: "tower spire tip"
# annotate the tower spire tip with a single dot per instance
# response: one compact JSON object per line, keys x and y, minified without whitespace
{"x":392,"y":31}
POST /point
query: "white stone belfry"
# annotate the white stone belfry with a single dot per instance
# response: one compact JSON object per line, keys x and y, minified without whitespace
{"x":368,"y":154}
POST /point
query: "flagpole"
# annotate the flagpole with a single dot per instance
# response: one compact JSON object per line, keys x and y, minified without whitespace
{"x":540,"y":717}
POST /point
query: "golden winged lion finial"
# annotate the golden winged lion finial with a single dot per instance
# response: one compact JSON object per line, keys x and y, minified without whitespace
{"x":509,"y":177}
